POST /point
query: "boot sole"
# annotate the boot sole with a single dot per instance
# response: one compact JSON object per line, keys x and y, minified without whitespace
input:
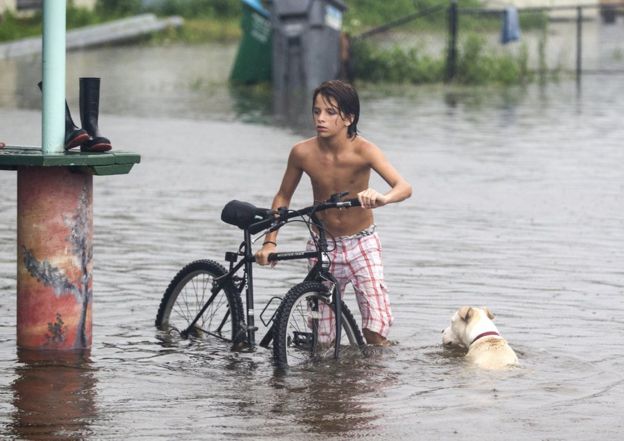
{"x":77,"y":141}
{"x":100,"y":147}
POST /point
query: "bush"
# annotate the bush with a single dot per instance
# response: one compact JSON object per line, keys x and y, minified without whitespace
{"x":474,"y":65}
{"x":78,"y":17}
{"x":118,"y":8}
{"x":395,"y":65}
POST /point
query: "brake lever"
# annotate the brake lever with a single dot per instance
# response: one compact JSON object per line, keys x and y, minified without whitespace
{"x":279,"y":224}
{"x":279,"y":220}
{"x":282,"y":213}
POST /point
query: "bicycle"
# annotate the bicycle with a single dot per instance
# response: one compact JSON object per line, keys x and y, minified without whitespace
{"x":311,"y":321}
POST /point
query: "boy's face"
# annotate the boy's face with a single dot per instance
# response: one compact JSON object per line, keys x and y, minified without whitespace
{"x":328,"y":119}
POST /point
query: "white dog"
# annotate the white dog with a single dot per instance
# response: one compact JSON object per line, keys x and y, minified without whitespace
{"x":472,"y":328}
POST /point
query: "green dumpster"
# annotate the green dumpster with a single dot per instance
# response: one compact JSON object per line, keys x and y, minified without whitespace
{"x":253,"y":61}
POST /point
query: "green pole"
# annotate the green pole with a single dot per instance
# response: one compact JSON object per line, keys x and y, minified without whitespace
{"x":53,"y":67}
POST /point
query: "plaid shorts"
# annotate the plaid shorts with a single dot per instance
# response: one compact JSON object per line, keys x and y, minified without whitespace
{"x":357,"y":260}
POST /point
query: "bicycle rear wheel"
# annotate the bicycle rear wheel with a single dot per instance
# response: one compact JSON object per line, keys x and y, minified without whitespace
{"x":193,"y":288}
{"x":305,"y":326}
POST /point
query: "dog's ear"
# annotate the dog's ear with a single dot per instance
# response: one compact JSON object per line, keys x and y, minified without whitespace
{"x":465,"y":312}
{"x":489,"y":313}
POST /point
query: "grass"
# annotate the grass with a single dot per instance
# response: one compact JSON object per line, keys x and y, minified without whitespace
{"x":15,"y":28}
{"x":200,"y":30}
{"x":194,"y":30}
{"x":12,"y":28}
{"x":475,"y":64}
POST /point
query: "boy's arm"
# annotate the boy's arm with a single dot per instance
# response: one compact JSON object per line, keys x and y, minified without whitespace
{"x":400,"y":188}
{"x":289,"y":184}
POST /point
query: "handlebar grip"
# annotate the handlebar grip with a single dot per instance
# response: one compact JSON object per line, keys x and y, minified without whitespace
{"x":348,"y":203}
{"x":272,"y":257}
{"x":355,"y":202}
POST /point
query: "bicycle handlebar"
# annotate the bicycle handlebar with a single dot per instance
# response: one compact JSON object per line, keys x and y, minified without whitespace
{"x":320,"y":207}
{"x":284,"y":215}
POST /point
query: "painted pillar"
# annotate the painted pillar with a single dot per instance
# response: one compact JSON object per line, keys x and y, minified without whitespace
{"x":54,"y":258}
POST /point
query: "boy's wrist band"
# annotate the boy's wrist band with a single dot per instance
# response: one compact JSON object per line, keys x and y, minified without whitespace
{"x":269,"y":241}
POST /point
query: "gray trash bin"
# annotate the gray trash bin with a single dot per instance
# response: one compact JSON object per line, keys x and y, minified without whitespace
{"x":306,"y":45}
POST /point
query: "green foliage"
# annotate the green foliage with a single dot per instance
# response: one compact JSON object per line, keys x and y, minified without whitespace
{"x":195,"y":31}
{"x":117,"y":8}
{"x":475,"y":66}
{"x":78,"y":17}
{"x":197,"y":8}
{"x":363,"y":15}
{"x":375,"y":12}
{"x":395,"y":65}
{"x":13,"y":28}
{"x":533,"y":19}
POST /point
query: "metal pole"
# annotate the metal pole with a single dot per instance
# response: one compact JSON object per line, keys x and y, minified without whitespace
{"x":53,"y":73}
{"x":579,"y":42}
{"x":452,"y":50}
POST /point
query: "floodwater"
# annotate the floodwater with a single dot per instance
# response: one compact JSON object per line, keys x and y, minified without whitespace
{"x":517,"y":205}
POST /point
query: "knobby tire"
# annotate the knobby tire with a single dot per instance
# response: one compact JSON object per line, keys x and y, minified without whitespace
{"x":296,"y":339}
{"x":188,"y":292}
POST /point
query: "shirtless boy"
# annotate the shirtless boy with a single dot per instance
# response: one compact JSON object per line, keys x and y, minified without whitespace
{"x":338,"y":159}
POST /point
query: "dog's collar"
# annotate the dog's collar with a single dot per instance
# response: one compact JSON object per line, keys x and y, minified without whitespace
{"x":484,"y":334}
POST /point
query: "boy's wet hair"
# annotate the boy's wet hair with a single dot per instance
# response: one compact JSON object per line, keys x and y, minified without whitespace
{"x":346,"y":98}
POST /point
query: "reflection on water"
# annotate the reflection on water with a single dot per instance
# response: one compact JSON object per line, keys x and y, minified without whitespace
{"x":54,"y":396}
{"x":517,"y":205}
{"x":330,"y":407}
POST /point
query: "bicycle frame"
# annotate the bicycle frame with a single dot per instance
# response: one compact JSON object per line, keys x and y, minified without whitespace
{"x":319,"y":270}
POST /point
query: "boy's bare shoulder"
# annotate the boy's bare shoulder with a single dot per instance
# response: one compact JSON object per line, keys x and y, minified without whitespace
{"x":364,"y":147}
{"x":304,"y":147}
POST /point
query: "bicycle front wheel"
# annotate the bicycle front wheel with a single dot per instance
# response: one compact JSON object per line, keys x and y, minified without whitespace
{"x":305,"y":326}
{"x":194,"y":288}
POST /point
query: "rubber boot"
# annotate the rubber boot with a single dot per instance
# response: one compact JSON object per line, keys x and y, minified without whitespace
{"x":74,"y":136}
{"x":89,"y":111}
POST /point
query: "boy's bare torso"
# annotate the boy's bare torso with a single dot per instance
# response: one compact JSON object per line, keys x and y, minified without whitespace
{"x":337,"y":170}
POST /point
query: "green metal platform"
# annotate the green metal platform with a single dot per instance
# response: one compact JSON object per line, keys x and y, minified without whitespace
{"x":101,"y":164}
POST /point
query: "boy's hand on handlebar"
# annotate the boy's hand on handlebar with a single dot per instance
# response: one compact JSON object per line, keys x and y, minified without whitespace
{"x":262,"y":255}
{"x":371,"y":198}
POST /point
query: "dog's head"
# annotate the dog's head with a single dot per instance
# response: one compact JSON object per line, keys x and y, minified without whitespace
{"x":464,"y":323}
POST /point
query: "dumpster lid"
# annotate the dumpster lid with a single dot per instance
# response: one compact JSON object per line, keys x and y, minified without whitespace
{"x":302,"y":7}
{"x":291,"y":7}
{"x":257,"y":6}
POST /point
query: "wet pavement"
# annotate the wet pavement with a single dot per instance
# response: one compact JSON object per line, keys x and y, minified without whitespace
{"x":517,"y":205}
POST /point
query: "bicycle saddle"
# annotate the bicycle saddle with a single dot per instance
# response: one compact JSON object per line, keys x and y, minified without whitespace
{"x":244,"y":214}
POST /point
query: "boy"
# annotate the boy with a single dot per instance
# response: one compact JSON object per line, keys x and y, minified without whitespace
{"x":338,"y":159}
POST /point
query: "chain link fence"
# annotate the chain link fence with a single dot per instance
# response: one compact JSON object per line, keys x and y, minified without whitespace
{"x":465,"y":44}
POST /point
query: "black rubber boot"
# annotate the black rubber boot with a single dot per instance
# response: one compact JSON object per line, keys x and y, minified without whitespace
{"x":89,"y":111}
{"x":74,"y":136}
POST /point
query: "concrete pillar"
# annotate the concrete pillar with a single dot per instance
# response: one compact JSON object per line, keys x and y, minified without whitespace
{"x":54,"y":258}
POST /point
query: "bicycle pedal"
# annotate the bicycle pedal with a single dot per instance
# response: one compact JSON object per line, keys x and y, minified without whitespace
{"x":251,"y":328}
